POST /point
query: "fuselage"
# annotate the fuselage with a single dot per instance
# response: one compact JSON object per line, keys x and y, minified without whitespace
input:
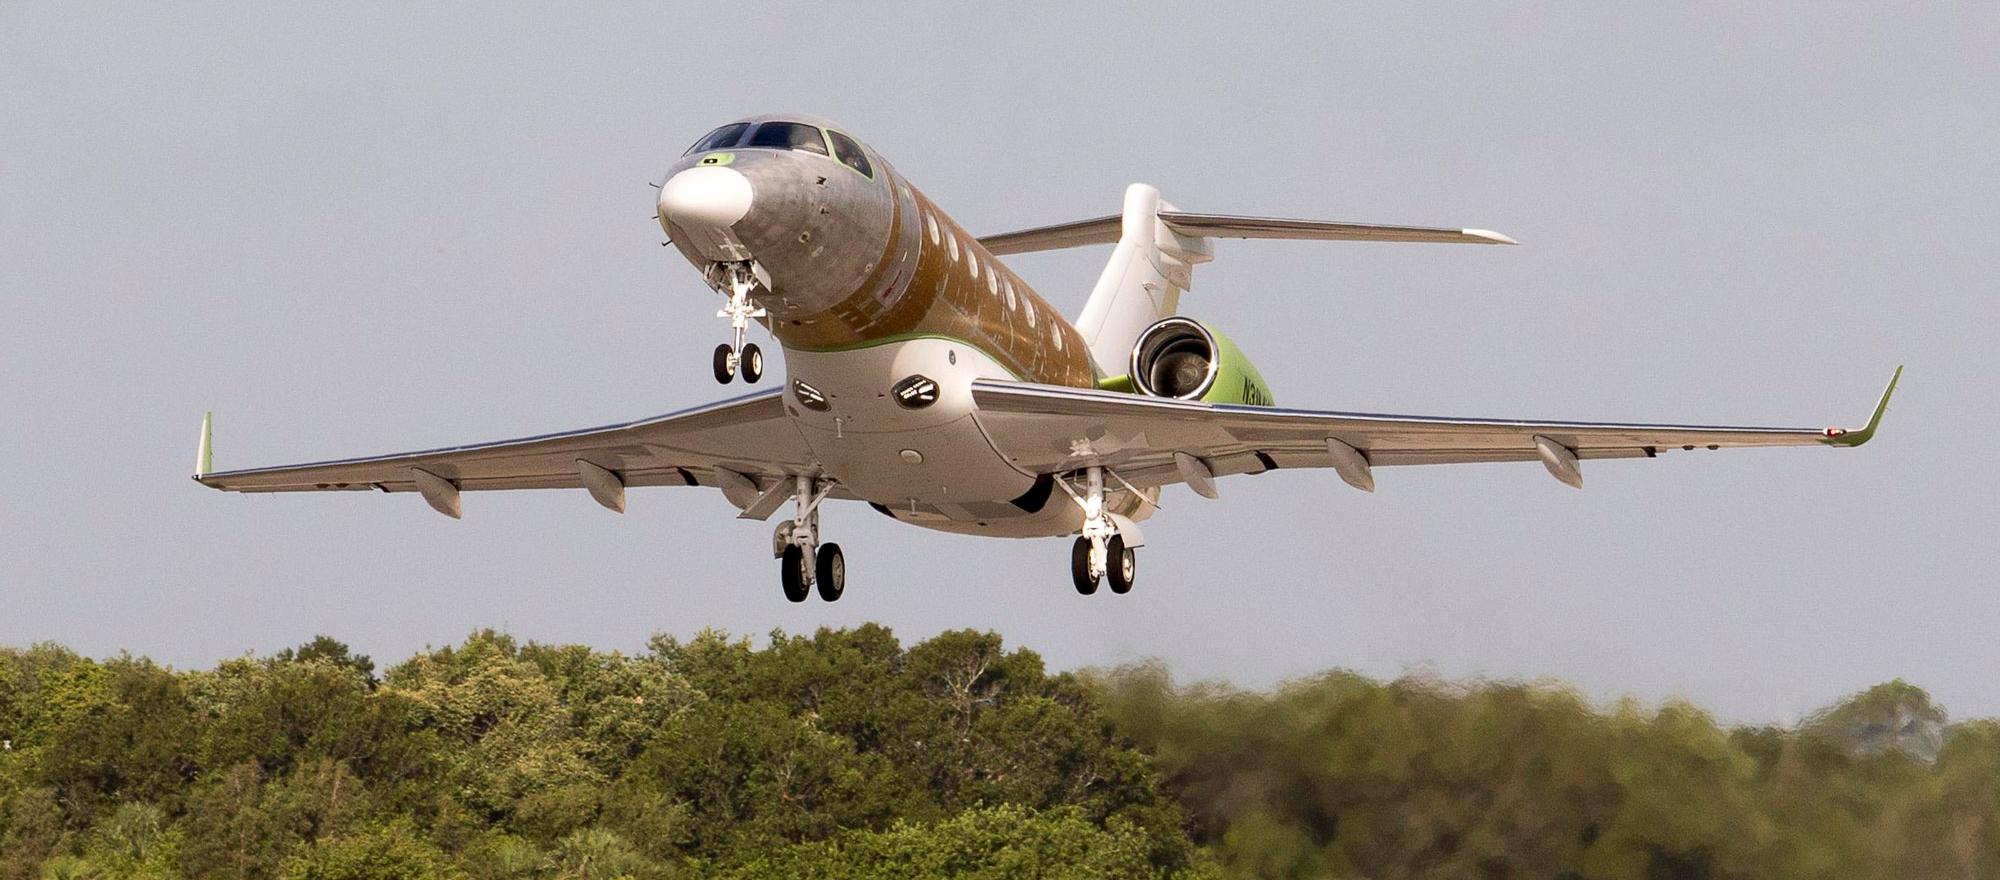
{"x":886,"y":311}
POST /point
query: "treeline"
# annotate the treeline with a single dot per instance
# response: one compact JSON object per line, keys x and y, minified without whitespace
{"x":847,"y":754}
{"x":1343,"y":776}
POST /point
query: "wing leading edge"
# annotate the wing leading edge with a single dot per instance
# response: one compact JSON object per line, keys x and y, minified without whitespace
{"x":1153,"y":441}
{"x":743,"y":446}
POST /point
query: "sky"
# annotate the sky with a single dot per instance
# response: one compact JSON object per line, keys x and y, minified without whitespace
{"x":361,"y":228}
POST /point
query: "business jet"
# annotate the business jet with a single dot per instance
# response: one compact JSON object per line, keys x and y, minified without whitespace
{"x":924,"y":377}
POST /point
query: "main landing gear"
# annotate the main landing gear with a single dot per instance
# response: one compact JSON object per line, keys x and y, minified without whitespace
{"x":1100,"y":553}
{"x":803,"y":562}
{"x":732,"y":357}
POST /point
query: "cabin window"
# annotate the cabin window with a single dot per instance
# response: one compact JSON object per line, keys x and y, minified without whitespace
{"x":789,"y":136}
{"x":1055,"y":333}
{"x":951,"y":244}
{"x":849,"y":153}
{"x":1031,"y":316}
{"x":1011,"y":302}
{"x":930,"y":223}
{"x":992,"y":281}
{"x":726,"y":136}
{"x":972,"y":264}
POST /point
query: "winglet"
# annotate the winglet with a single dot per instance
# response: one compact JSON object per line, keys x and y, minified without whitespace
{"x":1490,"y":236}
{"x":1844,"y":437}
{"x":204,"y":453}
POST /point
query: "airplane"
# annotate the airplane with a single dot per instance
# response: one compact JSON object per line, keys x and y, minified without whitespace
{"x":927,"y":379}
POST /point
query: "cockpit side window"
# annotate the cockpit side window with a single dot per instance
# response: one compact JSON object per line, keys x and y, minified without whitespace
{"x":850,"y":154}
{"x":725,"y":136}
{"x":788,"y":136}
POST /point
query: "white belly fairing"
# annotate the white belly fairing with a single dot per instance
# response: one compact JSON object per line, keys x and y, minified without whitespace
{"x":931,"y":466}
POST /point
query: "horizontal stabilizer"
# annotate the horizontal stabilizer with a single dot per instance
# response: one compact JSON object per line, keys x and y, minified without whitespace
{"x":1097,"y":230}
{"x":1105,"y":230}
{"x":1225,"y":226}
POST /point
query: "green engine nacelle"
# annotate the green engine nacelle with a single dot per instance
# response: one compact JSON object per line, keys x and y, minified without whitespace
{"x":1185,"y":359}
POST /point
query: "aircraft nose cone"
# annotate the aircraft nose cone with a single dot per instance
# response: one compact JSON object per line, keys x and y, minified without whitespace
{"x":710,"y":196}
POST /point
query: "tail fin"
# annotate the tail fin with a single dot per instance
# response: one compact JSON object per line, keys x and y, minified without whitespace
{"x":1158,"y":248}
{"x":1149,"y":270}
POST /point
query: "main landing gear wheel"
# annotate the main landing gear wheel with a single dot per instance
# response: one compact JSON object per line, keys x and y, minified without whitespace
{"x":831,"y":572}
{"x":794,"y":568}
{"x":1079,"y":567}
{"x":806,"y":562}
{"x":1124,"y":564}
{"x":725,"y":364}
{"x":752,"y":362}
{"x":1101,"y":548}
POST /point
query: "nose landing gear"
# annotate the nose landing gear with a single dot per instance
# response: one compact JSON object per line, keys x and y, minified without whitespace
{"x":803,"y":562}
{"x":732,"y":357}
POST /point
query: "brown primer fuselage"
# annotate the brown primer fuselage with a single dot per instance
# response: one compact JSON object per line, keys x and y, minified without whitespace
{"x":850,"y":260}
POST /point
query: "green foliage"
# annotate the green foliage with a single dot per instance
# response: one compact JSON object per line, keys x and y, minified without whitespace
{"x":597,"y":854}
{"x":389,"y":851}
{"x":846,"y":754}
{"x":1340,"y":775}
{"x":326,"y":649}
{"x":495,"y":759}
{"x":992,"y":842}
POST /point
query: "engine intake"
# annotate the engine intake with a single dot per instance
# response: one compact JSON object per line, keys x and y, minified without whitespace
{"x":1174,"y":358}
{"x":1183,"y":359}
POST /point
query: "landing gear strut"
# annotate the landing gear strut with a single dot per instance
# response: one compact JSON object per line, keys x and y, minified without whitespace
{"x":1100,"y":551}
{"x":803,"y":562}
{"x":734,"y":356}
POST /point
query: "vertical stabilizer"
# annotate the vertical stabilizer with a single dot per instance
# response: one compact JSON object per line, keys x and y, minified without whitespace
{"x":1150,"y":269}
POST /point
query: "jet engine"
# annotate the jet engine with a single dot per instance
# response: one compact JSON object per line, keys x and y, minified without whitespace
{"x":1185,"y":359}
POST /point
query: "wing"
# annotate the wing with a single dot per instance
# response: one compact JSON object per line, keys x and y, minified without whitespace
{"x":1151,"y":441}
{"x":745,"y":446}
{"x":1105,"y":230}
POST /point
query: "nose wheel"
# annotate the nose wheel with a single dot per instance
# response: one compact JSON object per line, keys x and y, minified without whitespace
{"x":728,"y":362}
{"x":736,"y":356}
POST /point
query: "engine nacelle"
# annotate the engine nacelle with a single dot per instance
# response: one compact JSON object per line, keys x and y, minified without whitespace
{"x":1185,"y":359}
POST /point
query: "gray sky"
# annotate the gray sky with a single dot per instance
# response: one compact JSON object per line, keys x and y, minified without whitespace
{"x":357,"y":231}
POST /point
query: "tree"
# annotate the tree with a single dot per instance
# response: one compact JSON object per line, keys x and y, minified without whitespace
{"x":326,"y":649}
{"x":388,"y":851}
{"x":994,"y":842}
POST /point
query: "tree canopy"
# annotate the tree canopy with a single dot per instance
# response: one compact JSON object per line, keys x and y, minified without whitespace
{"x":847,"y":754}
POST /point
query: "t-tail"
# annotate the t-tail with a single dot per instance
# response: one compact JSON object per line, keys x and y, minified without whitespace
{"x":1158,"y":247}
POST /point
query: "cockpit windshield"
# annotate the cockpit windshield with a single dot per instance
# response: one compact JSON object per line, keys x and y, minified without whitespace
{"x":726,"y":136}
{"x":789,"y":136}
{"x":849,"y":153}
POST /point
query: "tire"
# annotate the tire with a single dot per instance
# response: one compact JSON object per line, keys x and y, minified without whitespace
{"x":1079,"y":566}
{"x":792,"y":568}
{"x":725,"y":364}
{"x":1124,"y":565}
{"x":832,"y":572}
{"x":752,"y":363}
